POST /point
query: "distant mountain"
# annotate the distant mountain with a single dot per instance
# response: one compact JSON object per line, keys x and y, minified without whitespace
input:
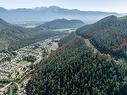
{"x":108,"y":35}
{"x":62,"y":23}
{"x":50,"y":13}
{"x":2,"y":9}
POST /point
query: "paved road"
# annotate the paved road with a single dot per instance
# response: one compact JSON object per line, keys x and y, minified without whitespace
{"x":19,"y":89}
{"x":5,"y":87}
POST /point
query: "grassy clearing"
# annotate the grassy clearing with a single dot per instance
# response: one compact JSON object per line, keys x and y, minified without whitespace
{"x":64,"y":30}
{"x":10,"y":91}
{"x":23,"y":62}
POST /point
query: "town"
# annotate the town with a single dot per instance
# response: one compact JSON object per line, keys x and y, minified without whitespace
{"x":17,"y":63}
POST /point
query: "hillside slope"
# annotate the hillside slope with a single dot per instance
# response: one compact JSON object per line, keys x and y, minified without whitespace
{"x":61,"y":24}
{"x":76,"y":70}
{"x":108,"y":35}
{"x":10,"y":34}
{"x":14,"y":37}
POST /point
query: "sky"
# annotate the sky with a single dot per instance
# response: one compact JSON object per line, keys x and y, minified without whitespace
{"x":119,"y":6}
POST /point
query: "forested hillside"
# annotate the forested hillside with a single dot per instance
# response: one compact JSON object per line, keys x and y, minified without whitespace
{"x":61,"y":24}
{"x":66,"y":39}
{"x":14,"y":37}
{"x":76,"y":70}
{"x":10,"y":34}
{"x":108,"y":35}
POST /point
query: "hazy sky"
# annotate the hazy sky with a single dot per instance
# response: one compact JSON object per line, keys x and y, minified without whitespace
{"x":94,"y":5}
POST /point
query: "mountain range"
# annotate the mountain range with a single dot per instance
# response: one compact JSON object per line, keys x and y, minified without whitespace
{"x":14,"y":36}
{"x":43,"y":14}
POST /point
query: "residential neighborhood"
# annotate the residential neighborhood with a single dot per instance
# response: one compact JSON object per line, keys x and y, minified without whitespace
{"x":14,"y":66}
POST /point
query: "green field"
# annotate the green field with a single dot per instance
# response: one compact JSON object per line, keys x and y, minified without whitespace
{"x":64,"y":30}
{"x":23,"y":62}
{"x":10,"y":91}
